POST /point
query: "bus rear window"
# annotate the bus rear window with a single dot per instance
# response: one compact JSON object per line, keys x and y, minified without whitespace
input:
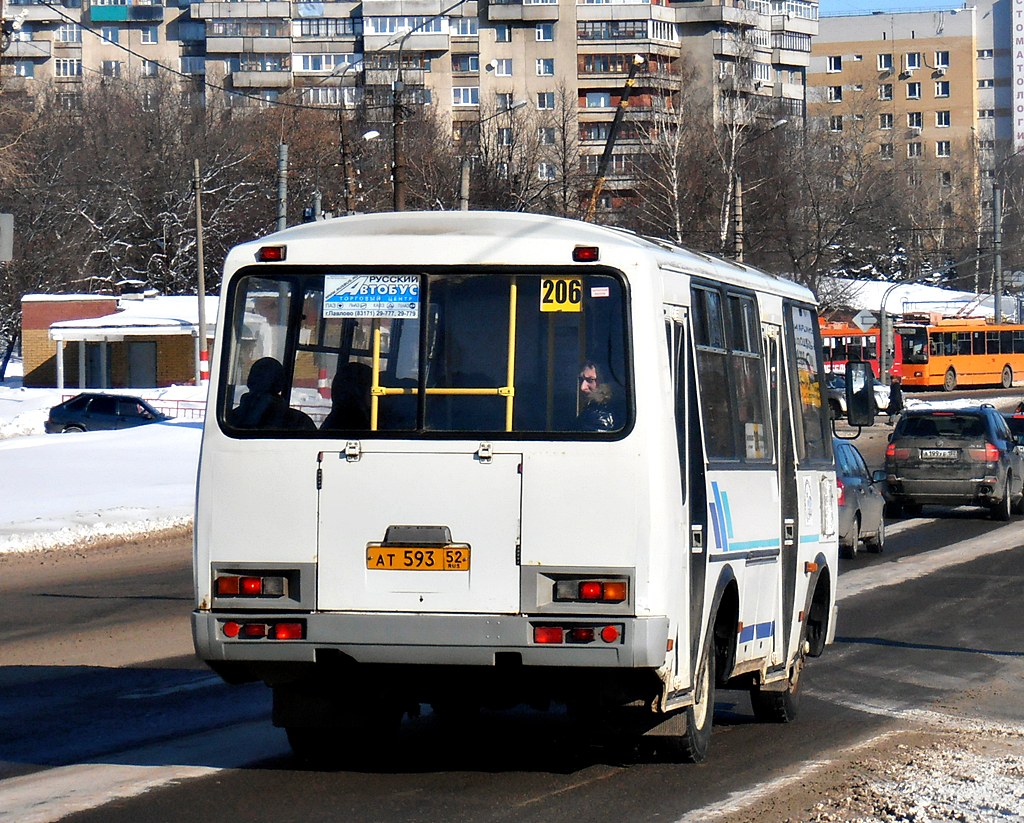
{"x":392,"y":353}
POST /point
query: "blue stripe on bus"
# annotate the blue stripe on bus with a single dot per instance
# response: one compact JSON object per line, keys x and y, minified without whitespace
{"x":717,"y":513}
{"x":714,"y":523}
{"x":810,"y":538}
{"x":772,"y":543}
{"x":760,"y":631}
{"x":728,"y":514}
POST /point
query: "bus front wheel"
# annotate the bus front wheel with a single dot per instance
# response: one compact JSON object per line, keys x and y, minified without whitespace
{"x":1007,"y":380}
{"x":949,"y":383}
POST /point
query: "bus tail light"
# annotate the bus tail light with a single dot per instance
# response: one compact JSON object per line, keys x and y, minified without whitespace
{"x":258,"y":630}
{"x":548,"y":634}
{"x":232,"y":585}
{"x":576,"y":635}
{"x":606,"y":591}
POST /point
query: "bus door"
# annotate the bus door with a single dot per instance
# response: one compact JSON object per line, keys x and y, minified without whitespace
{"x":407,"y":531}
{"x":789,"y":507}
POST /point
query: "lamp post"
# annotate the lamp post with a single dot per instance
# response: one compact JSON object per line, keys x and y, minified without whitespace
{"x":398,"y":132}
{"x":464,"y":178}
{"x":885,"y":335}
{"x":737,"y":202}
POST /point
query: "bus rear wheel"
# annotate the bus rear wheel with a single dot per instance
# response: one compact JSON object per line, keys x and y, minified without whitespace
{"x":1007,"y":379}
{"x":779,"y":706}
{"x":949,"y":382}
{"x":695,"y":741}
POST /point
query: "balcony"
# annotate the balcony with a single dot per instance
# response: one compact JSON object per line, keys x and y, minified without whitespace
{"x":261,"y":79}
{"x":134,"y":13}
{"x":789,"y":57}
{"x":518,"y":10}
{"x":220,"y":11}
{"x":403,"y":8}
{"x":250,"y":45}
{"x":716,"y":14}
{"x":29,"y":49}
{"x":794,"y":25}
{"x":431,"y":41}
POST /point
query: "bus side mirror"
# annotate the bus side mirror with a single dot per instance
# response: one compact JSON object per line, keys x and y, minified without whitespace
{"x":860,"y":394}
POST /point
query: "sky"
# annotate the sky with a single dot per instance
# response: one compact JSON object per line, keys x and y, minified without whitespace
{"x":829,"y":7}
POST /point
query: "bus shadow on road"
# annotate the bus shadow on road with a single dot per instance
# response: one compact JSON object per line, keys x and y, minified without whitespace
{"x":926,"y":647}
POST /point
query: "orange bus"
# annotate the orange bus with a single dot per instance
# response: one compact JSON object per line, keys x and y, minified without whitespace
{"x":842,"y":343}
{"x":958,"y":352}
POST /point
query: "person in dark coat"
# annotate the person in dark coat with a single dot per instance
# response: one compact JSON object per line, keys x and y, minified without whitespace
{"x":597,"y":413}
{"x":895,"y":400}
{"x":350,"y":398}
{"x":263,"y":406}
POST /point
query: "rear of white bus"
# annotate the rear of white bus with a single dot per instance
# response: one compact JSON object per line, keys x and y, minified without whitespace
{"x":447,"y":515}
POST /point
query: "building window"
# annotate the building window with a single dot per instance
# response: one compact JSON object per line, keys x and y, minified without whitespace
{"x":857,"y":58}
{"x":149,"y":68}
{"x":885,"y":120}
{"x":885,"y":62}
{"x":110,"y":34}
{"x":942,"y":119}
{"x":985,"y":54}
{"x":835,"y":122}
{"x":545,"y":67}
{"x":502,"y":33}
{"x":544,"y":32}
{"x":942,"y":148}
{"x":462,"y":63}
{"x":834,"y":94}
{"x":598,"y":99}
{"x":466,"y":27}
{"x":504,"y":136}
{"x":945,"y":179}
{"x":67,"y":67}
{"x":24,"y":68}
{"x":914,"y":150}
{"x":942,"y":59}
{"x":465,"y":95}
{"x":546,"y":171}
{"x":150,"y":35}
{"x":987,"y":145}
{"x":545,"y":100}
{"x":885,"y":150}
{"x":110,"y":68}
{"x":885,"y":91}
{"x":835,"y":64}
{"x":503,"y":100}
{"x":913,"y":59}
{"x":69,"y":33}
{"x":987,"y":83}
{"x":194,"y":65}
{"x":503,"y":67}
{"x":913,"y":91}
{"x":915,"y":120}
{"x":986,"y":114}
{"x":941,"y":88}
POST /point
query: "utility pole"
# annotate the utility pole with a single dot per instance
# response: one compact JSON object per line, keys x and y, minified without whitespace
{"x":204,"y":354}
{"x":282,"y":187}
{"x":997,"y":252}
{"x":398,"y":142}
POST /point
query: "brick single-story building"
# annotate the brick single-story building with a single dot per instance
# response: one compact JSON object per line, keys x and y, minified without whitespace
{"x":98,"y":341}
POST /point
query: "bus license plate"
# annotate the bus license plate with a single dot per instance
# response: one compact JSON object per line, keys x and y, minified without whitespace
{"x":938,"y":454}
{"x":432,"y":559}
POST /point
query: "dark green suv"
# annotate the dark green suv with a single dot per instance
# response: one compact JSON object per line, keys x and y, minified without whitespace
{"x":954,"y":456}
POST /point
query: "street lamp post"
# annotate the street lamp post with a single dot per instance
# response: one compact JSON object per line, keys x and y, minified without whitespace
{"x":465,"y":171}
{"x":885,"y":335}
{"x":398,"y":133}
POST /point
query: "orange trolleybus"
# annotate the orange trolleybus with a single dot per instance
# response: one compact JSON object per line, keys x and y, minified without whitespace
{"x":947,"y":353}
{"x":842,"y":342}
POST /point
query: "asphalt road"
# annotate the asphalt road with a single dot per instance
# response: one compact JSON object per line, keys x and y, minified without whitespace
{"x":100,"y":701}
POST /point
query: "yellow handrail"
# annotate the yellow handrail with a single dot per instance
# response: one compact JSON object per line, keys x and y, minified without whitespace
{"x":510,"y":373}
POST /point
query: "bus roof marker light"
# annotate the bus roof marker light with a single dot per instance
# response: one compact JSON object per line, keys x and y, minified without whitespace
{"x":586,"y":254}
{"x":272,"y":254}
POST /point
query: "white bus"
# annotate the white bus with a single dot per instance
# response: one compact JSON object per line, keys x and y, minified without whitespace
{"x":478,"y":459}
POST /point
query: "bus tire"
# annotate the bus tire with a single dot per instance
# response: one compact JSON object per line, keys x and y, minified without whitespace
{"x":1007,"y":379}
{"x":779,"y":706}
{"x":949,"y":381}
{"x":695,"y":741}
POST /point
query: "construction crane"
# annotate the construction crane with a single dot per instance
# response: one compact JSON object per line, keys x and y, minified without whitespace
{"x":613,"y":133}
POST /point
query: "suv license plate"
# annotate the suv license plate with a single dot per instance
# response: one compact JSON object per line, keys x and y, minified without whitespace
{"x":415,"y":559}
{"x":938,"y":454}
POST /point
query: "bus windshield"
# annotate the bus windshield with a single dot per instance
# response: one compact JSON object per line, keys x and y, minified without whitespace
{"x":913,"y":344}
{"x":387,"y":353}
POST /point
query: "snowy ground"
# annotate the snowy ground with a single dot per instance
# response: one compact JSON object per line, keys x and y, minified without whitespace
{"x":70,"y":490}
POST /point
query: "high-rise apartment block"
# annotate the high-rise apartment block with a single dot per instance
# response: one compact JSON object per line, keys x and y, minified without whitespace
{"x":928,"y":86}
{"x":465,"y":59}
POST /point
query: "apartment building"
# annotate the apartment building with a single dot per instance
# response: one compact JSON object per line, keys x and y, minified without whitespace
{"x":929,"y":86}
{"x":466,"y":59}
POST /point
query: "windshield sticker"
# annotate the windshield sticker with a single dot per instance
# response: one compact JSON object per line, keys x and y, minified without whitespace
{"x":561,"y":294}
{"x":372,"y":295}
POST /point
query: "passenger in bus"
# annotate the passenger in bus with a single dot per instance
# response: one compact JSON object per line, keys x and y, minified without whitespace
{"x":264,"y":406}
{"x":597,"y":412}
{"x":350,"y":398}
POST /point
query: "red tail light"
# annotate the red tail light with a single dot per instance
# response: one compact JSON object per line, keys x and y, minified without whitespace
{"x":892,"y":453}
{"x":287,"y":631}
{"x":841,"y":489}
{"x":590,"y":591}
{"x":989,"y":454}
{"x":548,"y":634}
